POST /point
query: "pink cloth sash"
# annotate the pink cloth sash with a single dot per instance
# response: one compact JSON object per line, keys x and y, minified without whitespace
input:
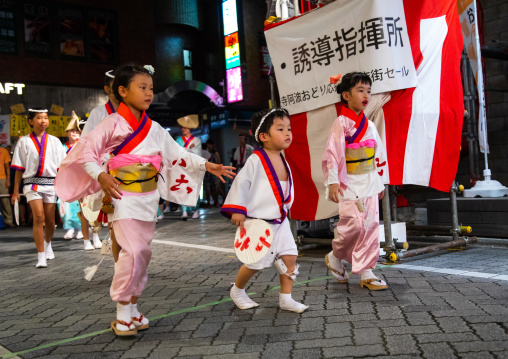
{"x":129,"y":159}
{"x":366,"y":143}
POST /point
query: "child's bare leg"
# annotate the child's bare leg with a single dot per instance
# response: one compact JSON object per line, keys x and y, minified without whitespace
{"x":38,"y":223}
{"x":243,"y":276}
{"x":240,"y":298}
{"x":286,"y":285}
{"x":49,"y":220}
{"x":87,"y":245}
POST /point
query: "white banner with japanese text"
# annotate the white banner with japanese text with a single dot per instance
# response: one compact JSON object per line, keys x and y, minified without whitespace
{"x":468,"y":24}
{"x":344,"y":36}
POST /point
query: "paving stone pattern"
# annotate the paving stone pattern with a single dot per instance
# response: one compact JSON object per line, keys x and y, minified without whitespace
{"x":421,"y":315}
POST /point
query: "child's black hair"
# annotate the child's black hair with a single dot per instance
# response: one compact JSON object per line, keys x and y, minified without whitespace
{"x":350,"y":80}
{"x":108,"y":80}
{"x":268,"y":122}
{"x":124,"y":75}
{"x":31,"y":114}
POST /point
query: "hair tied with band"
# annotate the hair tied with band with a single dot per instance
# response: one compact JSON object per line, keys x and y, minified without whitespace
{"x":150,"y":69}
{"x":336,"y":80}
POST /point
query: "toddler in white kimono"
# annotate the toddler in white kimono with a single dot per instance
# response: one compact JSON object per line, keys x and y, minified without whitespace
{"x":146,"y":164}
{"x":263,"y":189}
{"x":354,"y":165}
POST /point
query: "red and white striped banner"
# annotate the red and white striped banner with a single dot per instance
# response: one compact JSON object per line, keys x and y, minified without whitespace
{"x":421,"y":126}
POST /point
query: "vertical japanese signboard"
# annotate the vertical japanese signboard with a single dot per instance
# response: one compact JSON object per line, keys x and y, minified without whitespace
{"x":232,"y":51}
{"x":469,"y":26}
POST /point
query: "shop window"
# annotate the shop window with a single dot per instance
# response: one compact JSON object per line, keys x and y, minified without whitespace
{"x":187,"y":63}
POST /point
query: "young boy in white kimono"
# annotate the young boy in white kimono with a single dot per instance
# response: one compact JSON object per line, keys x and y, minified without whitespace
{"x":263,"y":189}
{"x":354,"y":165}
{"x":36,"y":159}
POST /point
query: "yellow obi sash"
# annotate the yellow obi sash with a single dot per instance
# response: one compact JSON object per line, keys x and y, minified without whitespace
{"x":360,"y":160}
{"x":136,"y":178}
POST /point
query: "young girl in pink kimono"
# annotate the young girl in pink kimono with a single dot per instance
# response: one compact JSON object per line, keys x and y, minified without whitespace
{"x":355,"y":170}
{"x":145,"y":164}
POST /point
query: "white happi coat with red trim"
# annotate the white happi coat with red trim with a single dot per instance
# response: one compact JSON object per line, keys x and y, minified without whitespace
{"x":256,"y":191}
{"x":36,"y":159}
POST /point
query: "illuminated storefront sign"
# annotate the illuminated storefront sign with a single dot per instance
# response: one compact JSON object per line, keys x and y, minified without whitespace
{"x":234,"y":80}
{"x":232,"y":51}
{"x":8,"y":87}
{"x":229,"y":16}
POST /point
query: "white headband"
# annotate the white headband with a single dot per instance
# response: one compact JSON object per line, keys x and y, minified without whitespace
{"x":30,"y":110}
{"x":110,"y":74}
{"x":261,"y":122}
{"x":149,"y":68}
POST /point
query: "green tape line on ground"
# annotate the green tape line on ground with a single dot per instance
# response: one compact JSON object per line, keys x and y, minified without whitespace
{"x":186,"y":310}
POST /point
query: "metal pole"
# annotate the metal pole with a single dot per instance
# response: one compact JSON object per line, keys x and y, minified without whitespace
{"x":393,"y":203}
{"x":431,"y":249}
{"x":453,"y":208}
{"x":388,"y":247}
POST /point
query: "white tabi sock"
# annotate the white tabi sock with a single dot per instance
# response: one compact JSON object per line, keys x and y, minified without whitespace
{"x":335,"y":262}
{"x":241,"y":299}
{"x":96,"y":240}
{"x":288,"y":303}
{"x":136,"y":314}
{"x":368,"y":274}
{"x":41,"y":260}
{"x":48,"y":250}
{"x":123,"y":312}
{"x":87,"y":245}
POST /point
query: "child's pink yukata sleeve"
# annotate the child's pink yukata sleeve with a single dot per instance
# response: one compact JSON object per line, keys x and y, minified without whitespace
{"x":72,"y":181}
{"x":182,"y":171}
{"x":334,"y":158}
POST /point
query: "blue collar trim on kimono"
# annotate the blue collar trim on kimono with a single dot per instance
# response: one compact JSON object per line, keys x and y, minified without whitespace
{"x":274,"y":181}
{"x":360,"y":130}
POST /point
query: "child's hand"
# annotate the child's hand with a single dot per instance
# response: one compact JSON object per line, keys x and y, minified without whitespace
{"x":15,"y":197}
{"x":333,"y":192}
{"x":109,"y":185}
{"x":220,"y":170}
{"x":381,"y":194}
{"x":237,"y":219}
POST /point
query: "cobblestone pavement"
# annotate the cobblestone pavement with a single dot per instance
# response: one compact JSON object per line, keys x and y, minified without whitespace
{"x":453,"y":305}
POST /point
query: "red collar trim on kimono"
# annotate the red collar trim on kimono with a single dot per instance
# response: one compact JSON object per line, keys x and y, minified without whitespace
{"x":140,"y":130}
{"x":361,"y":125}
{"x":41,"y":149}
{"x":109,"y":107}
{"x":187,"y":141}
{"x":69,"y":146}
{"x":274,"y":182}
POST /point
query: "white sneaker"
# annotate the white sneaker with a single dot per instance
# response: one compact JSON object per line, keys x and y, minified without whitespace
{"x":41,"y":260}
{"x":79,"y":235}
{"x":160,"y":217}
{"x":48,"y":250}
{"x":166,"y":210}
{"x":241,"y":299}
{"x":69,"y":234}
{"x":185,"y":216}
{"x":196,"y":214}
{"x":96,"y":241}
{"x":88,"y":245}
